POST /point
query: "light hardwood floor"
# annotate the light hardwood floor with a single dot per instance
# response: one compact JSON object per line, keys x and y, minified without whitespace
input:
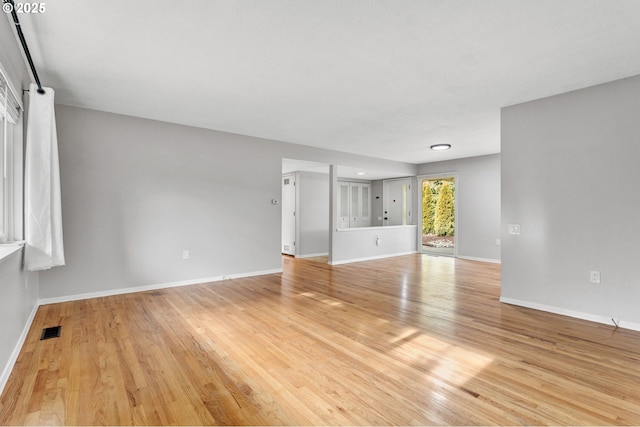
{"x":407,"y":340}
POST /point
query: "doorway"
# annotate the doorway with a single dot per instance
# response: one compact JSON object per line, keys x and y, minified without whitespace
{"x":396,"y":195}
{"x":439,"y":220}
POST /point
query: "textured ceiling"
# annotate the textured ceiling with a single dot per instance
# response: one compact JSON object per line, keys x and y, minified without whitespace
{"x":381,"y":78}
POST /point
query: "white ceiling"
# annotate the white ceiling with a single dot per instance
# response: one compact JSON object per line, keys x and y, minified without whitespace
{"x":384,"y":78}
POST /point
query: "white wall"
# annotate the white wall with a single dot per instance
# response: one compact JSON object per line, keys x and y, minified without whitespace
{"x":312,"y":214}
{"x":18,"y":289}
{"x":137,"y":192}
{"x":478,"y":203}
{"x":358,"y":244}
{"x":570,"y":178}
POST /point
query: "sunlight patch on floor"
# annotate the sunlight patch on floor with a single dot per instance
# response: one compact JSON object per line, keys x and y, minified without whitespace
{"x":451,"y":363}
{"x":327,"y":301}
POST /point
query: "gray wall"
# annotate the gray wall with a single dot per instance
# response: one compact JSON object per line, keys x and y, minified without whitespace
{"x":137,"y":192}
{"x":363,"y":243}
{"x":18,"y":299}
{"x":570,"y":178}
{"x":18,"y":289}
{"x":478,"y":203}
{"x":312,"y":213}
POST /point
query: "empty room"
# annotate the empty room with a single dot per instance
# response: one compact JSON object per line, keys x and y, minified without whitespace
{"x":340,"y":212}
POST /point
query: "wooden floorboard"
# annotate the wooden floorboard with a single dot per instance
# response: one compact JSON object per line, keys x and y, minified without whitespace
{"x":406,"y":340}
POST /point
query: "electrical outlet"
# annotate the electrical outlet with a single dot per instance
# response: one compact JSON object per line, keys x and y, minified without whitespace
{"x":185,"y":254}
{"x":594,"y":276}
{"x":497,"y":242}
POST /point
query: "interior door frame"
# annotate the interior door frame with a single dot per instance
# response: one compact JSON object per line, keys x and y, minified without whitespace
{"x":431,"y":177}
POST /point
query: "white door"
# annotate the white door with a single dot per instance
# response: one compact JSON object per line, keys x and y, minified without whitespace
{"x":396,"y":196}
{"x":289,"y":214}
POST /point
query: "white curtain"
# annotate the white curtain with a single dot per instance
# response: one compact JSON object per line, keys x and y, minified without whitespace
{"x":43,"y":214}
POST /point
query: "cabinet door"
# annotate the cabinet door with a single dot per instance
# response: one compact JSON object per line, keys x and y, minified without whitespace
{"x":365,"y":211}
{"x":354,"y":204}
{"x":360,"y":204}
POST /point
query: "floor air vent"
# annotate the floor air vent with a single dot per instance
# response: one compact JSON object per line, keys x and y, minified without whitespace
{"x":52,"y":332}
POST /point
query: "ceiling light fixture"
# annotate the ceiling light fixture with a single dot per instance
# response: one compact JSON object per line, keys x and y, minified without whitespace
{"x":361,"y":173}
{"x":440,"y":147}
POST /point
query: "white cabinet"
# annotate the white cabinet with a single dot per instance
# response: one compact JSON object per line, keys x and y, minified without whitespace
{"x":354,"y":204}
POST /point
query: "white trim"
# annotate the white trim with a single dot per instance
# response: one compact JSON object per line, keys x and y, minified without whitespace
{"x":400,"y":178}
{"x":8,"y":248}
{"x":121,"y":291}
{"x":16,"y":350}
{"x":575,"y":314}
{"x":473,"y":258}
{"x":349,"y":261}
{"x":312,"y":255}
{"x":4,"y":174}
{"x":376,"y":227}
{"x":432,"y":176}
{"x":356,"y":180}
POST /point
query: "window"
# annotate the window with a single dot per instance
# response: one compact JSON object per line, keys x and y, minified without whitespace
{"x":9,"y":116}
{"x":4,"y":216}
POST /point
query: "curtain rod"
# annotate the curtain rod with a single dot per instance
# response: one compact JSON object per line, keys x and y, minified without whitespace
{"x":16,"y":21}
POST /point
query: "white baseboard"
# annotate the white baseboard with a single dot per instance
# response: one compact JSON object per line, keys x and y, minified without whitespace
{"x":312,"y":255}
{"x":16,"y":350}
{"x":576,"y":314}
{"x":473,"y":258}
{"x":348,"y":261}
{"x":122,"y":291}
